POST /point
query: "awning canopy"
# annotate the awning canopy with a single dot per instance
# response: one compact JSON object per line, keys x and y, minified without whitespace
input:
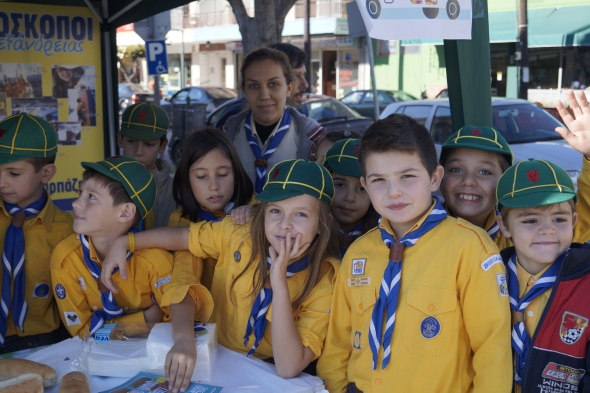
{"x":548,"y":27}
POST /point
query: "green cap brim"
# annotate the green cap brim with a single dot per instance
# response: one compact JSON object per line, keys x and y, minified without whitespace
{"x":536,"y":199}
{"x":10,"y":158}
{"x":142,"y":135}
{"x":274,"y":195}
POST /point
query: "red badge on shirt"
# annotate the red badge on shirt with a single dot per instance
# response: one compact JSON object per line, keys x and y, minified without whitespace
{"x":572,"y":327}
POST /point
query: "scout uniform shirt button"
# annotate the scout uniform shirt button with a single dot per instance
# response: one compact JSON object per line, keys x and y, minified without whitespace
{"x":95,"y":308}
{"x":360,"y":306}
{"x":431,"y":307}
{"x":530,"y":313}
{"x":378,"y":382}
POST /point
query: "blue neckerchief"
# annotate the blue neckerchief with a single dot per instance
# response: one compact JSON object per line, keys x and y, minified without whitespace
{"x":521,"y":342}
{"x":257,"y":320}
{"x":205,"y":215}
{"x":391,"y":283}
{"x":272,"y":145}
{"x":13,"y":261}
{"x":495,"y":228}
{"x":110,"y":308}
{"x":346,"y":239}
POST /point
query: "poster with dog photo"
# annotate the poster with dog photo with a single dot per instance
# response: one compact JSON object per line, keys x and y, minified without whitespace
{"x":67,"y":77}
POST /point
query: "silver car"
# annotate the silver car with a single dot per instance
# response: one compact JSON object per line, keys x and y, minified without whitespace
{"x":528,"y":129}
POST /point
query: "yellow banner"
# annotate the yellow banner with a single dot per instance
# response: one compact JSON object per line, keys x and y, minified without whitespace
{"x":50,"y":66}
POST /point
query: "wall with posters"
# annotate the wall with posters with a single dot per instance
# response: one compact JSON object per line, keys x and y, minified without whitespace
{"x":50,"y":66}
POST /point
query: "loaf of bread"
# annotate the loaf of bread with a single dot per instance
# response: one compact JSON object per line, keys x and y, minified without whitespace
{"x":24,"y":383}
{"x":10,"y":368}
{"x":74,"y":382}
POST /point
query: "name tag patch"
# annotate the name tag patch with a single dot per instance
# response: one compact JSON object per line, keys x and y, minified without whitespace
{"x":491,"y":261}
{"x":430,"y":327}
{"x":358,"y":266}
{"x":162,"y":281}
{"x":358,"y":281}
{"x":502,"y":284}
{"x":72,"y":318}
{"x":41,"y":290}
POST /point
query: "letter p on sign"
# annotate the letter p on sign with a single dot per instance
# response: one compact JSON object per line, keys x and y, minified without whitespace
{"x":157,"y":58}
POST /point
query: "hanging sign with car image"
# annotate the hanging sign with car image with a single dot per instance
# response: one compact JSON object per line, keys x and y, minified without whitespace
{"x":417,"y":19}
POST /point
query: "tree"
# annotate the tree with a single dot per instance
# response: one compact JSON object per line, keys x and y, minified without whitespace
{"x":266,"y":26}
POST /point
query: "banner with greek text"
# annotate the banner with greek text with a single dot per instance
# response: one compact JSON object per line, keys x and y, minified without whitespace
{"x":50,"y":66}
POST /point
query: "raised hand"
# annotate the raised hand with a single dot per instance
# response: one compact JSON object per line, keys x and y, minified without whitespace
{"x":577,"y":120}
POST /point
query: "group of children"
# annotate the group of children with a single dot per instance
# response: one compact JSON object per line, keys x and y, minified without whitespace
{"x":349,"y":261}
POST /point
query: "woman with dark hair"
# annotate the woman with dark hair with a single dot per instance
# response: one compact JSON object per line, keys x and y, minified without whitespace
{"x":65,"y":78}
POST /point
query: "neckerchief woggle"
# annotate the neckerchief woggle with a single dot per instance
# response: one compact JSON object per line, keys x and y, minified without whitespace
{"x":391,"y":283}
{"x":275,"y":141}
{"x":205,"y":215}
{"x":521,"y":341}
{"x":110,"y":308}
{"x":346,"y":239}
{"x":257,"y":320}
{"x":13,"y":263}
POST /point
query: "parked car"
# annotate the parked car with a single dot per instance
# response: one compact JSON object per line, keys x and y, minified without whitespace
{"x":130,"y":93}
{"x":362,"y":100}
{"x":329,"y":112}
{"x":208,"y":96}
{"x":528,"y":129}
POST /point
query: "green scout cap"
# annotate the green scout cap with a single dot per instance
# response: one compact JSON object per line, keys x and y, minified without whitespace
{"x":138,"y":181}
{"x":144,"y":121}
{"x":479,"y":138}
{"x":23,"y":136}
{"x":343,"y":157}
{"x":291,"y":178}
{"x":534,"y":183}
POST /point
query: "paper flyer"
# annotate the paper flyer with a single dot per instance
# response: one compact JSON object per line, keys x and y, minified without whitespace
{"x":146,"y":382}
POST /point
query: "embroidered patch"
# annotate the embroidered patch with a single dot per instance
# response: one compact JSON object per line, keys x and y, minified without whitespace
{"x":82,"y":283}
{"x":237,"y":256}
{"x":358,"y":281}
{"x":356,"y":343}
{"x":276,"y":173}
{"x":2,"y":132}
{"x":491,"y":261}
{"x":430,"y":327}
{"x":572,"y":327}
{"x":72,"y":318}
{"x":561,"y":373}
{"x":162,"y":281}
{"x":476,"y":132}
{"x":502,"y":284}
{"x":358,"y":266}
{"x":142,"y":116}
{"x":357,"y":150}
{"x":60,"y":291}
{"x":533,"y":176}
{"x":41,"y":290}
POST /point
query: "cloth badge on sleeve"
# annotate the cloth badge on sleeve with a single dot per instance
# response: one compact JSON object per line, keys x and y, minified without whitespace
{"x":41,"y":290}
{"x":60,"y":291}
{"x":162,"y":281}
{"x":237,"y":256}
{"x":430,"y":327}
{"x":491,"y":261}
{"x":356,"y":344}
{"x":358,"y":266}
{"x":502,"y":284}
{"x":72,"y":318}
{"x":572,"y":327}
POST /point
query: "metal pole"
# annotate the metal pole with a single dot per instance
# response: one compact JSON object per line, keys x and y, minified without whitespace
{"x":152,"y":35}
{"x":524,"y":52}
{"x":111,"y":124}
{"x":307,"y":43}
{"x":373,"y":83}
{"x":182,"y":78}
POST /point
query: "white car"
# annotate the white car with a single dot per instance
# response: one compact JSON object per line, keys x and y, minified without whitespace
{"x":528,"y":129}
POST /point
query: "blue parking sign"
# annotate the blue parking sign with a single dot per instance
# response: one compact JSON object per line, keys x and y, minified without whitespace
{"x":157,"y":58}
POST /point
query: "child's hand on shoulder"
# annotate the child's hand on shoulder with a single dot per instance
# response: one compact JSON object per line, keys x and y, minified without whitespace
{"x":242,"y":214}
{"x":180,"y":363}
{"x":289,"y":250}
{"x":577,"y":120}
{"x":115,"y":258}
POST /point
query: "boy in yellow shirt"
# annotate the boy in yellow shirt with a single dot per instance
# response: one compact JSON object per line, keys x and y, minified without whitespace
{"x":115,"y":194}
{"x":440,"y":324}
{"x":30,"y":227}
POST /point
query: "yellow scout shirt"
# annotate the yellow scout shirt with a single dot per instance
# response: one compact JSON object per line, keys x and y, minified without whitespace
{"x":77,"y":294}
{"x":231,"y":245}
{"x":582,"y":228}
{"x":42,"y":233}
{"x":453,"y":273}
{"x":200,"y":268}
